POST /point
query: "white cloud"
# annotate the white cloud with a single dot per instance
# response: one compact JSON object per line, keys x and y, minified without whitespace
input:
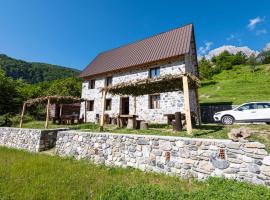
{"x":261,"y":32}
{"x":253,"y":22}
{"x":204,"y":49}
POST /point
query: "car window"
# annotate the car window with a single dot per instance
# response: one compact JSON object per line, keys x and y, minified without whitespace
{"x":263,"y":105}
{"x":249,"y":106}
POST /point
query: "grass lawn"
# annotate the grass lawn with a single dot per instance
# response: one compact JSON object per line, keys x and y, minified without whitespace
{"x":237,"y":86}
{"x":31,"y":176}
{"x":261,"y":132}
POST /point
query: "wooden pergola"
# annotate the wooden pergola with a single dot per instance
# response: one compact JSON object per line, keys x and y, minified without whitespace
{"x":48,"y":100}
{"x":165,"y":83}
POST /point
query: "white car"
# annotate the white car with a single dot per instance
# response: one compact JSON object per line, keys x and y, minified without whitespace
{"x":248,"y":112}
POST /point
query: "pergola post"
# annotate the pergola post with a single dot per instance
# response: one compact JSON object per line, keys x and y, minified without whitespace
{"x":61,"y":110}
{"x":104,"y":93}
{"x":134,"y":105}
{"x":187,"y":104}
{"x":85,"y":104}
{"x":47,"y":113}
{"x":23,"y":110}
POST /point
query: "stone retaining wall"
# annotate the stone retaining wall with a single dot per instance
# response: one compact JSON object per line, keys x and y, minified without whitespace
{"x":185,"y":157}
{"x":33,"y":140}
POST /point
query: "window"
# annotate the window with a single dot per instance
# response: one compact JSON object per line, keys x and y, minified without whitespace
{"x":108,"y":104}
{"x":90,"y":105}
{"x":263,"y":105}
{"x":91,"y":84}
{"x":249,"y":106}
{"x":109,"y":81}
{"x":154,"y":101}
{"x":154,"y":72}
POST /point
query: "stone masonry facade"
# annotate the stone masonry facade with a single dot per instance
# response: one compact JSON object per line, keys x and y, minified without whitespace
{"x":183,"y":157}
{"x":33,"y":140}
{"x":170,"y":102}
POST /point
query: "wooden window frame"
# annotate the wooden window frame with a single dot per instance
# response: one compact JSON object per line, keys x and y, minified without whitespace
{"x":90,"y":105}
{"x":108,"y":107}
{"x":107,"y":82}
{"x":92,"y":84}
{"x":154,"y":68}
{"x":154,"y":104}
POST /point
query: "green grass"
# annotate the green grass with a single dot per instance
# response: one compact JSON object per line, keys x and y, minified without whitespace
{"x":260,"y":132}
{"x":31,"y":176}
{"x":237,"y":86}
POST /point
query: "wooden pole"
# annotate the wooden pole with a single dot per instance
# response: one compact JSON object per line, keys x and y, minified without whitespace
{"x":61,"y":110}
{"x":85,"y":104}
{"x":187,"y":104}
{"x":103,"y":110}
{"x":47,"y":113}
{"x":23,"y":110}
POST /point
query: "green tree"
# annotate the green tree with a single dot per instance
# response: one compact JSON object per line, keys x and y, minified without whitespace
{"x":10,"y":98}
{"x":205,"y":68}
{"x":239,"y":58}
{"x":252,"y":62}
{"x":65,"y":87}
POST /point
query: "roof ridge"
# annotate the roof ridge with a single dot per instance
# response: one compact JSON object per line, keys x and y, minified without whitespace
{"x":139,"y":40}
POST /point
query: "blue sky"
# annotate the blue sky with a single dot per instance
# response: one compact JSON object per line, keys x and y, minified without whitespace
{"x":72,"y":32}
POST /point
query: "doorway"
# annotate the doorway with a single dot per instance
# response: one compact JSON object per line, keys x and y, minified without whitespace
{"x":124,"y":105}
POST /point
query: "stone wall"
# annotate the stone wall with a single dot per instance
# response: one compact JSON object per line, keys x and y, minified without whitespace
{"x":184,"y":157}
{"x":170,"y":102}
{"x":33,"y":140}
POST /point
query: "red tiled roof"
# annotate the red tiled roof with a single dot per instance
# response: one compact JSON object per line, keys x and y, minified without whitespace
{"x":165,"y":45}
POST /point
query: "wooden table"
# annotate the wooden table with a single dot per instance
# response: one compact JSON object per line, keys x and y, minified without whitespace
{"x":129,"y":120}
{"x":170,"y":117}
{"x":69,"y":119}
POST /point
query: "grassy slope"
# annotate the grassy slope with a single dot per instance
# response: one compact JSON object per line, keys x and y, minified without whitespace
{"x":238,"y":85}
{"x":34,"y":176}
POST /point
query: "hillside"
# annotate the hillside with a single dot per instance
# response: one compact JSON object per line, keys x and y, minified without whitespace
{"x":238,"y":85}
{"x":34,"y":72}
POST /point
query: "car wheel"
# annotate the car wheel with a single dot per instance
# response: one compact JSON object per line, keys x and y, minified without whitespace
{"x":227,"y":120}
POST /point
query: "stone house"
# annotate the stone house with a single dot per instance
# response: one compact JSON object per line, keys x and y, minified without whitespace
{"x":168,"y":53}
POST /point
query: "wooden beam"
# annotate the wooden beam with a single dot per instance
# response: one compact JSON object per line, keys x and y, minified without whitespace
{"x":23,"y":110}
{"x":47,"y":113}
{"x":104,"y":93}
{"x":187,"y":104}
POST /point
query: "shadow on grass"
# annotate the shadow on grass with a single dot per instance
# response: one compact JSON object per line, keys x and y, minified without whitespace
{"x":207,"y":129}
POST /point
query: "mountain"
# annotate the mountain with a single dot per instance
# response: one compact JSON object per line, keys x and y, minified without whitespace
{"x":267,"y":47}
{"x":34,"y":72}
{"x":264,"y":55}
{"x":231,"y":49}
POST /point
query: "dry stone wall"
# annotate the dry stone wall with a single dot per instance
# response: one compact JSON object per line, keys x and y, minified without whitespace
{"x":184,"y":157}
{"x":33,"y":140}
